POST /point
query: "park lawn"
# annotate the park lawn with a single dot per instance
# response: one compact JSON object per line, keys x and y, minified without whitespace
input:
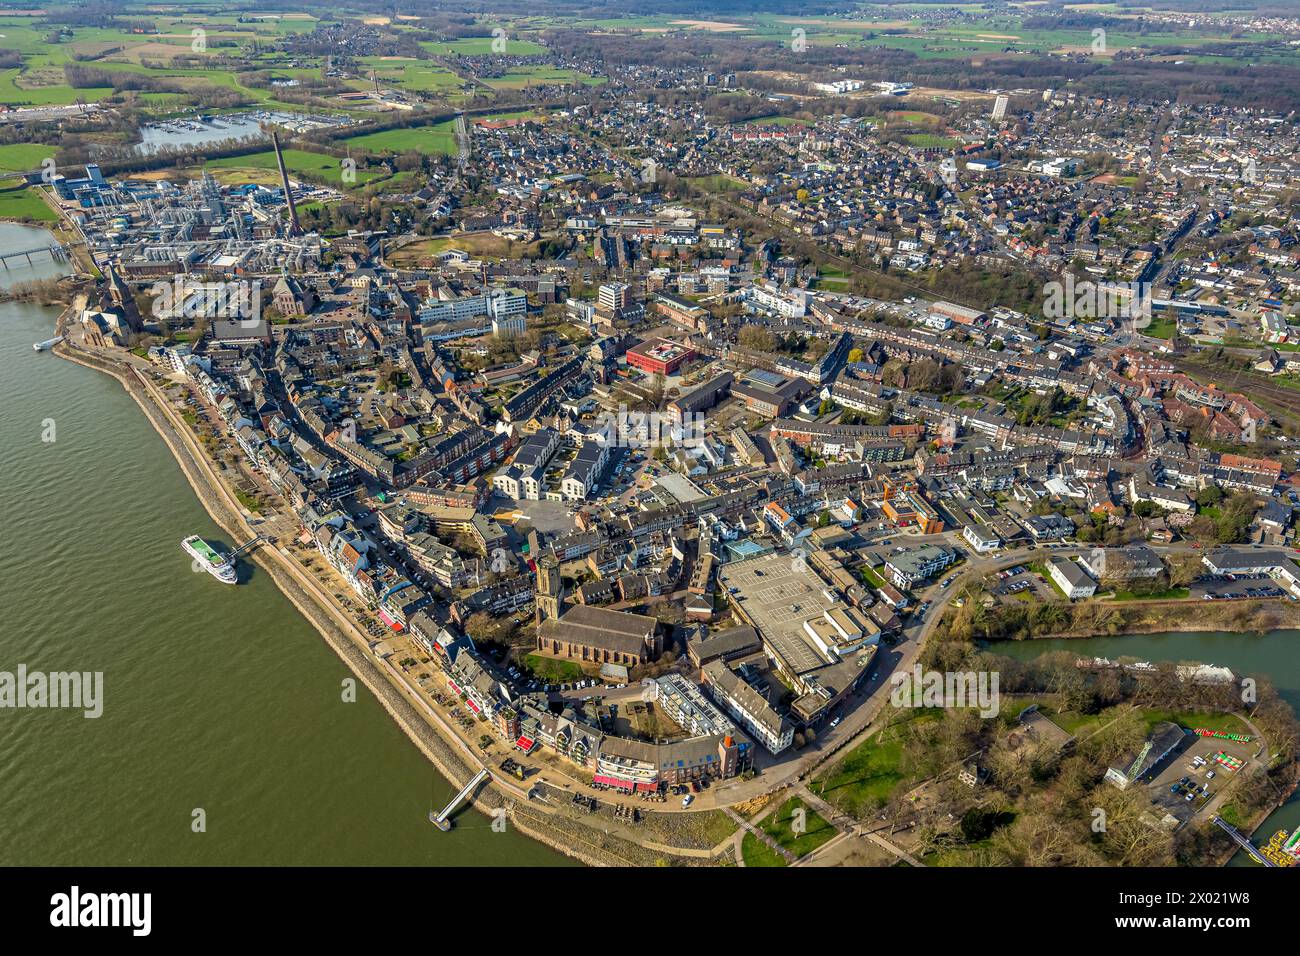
{"x":956,"y":855}
{"x":872,"y":578}
{"x":717,"y":826}
{"x":757,"y":853}
{"x":1210,"y":720}
{"x":778,"y":826}
{"x":1071,"y":721}
{"x":552,"y":670}
{"x":1161,"y":328}
{"x":868,"y":774}
{"x":718,"y":183}
{"x":440,"y":138}
{"x":397,"y":183}
{"x":829,"y":275}
{"x":19,"y":202}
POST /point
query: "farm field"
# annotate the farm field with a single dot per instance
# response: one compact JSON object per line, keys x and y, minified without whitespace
{"x":40,"y":81}
{"x":1004,"y":34}
{"x":536,"y":115}
{"x":482,"y":46}
{"x":20,"y":202}
{"x":421,"y":76}
{"x":23,"y":157}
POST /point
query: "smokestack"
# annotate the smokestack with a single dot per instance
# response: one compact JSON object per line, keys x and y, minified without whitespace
{"x":295,"y":228}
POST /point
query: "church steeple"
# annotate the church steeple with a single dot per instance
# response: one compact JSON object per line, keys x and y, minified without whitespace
{"x":121,"y":298}
{"x":549,"y":593}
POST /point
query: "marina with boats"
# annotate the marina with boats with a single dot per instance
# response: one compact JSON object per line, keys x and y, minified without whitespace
{"x":202,"y":128}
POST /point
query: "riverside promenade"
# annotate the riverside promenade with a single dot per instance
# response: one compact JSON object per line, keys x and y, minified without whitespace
{"x":451,"y":756}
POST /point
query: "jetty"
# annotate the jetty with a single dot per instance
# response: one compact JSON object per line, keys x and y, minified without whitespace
{"x":441,"y":821}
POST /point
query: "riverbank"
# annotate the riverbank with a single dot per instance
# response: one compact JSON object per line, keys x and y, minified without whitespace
{"x":1109,"y":619}
{"x":62,"y":229}
{"x":349,"y":645}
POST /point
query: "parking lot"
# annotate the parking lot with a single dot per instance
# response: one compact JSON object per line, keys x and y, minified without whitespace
{"x":548,"y":517}
{"x":1236,"y":587}
{"x":1193,"y":781}
{"x":1014,"y":582}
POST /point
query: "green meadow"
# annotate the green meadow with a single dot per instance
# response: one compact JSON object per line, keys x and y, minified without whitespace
{"x":440,"y":138}
{"x":19,"y":202}
{"x":23,"y":157}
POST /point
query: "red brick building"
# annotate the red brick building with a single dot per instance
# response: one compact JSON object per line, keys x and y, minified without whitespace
{"x":659,"y":356}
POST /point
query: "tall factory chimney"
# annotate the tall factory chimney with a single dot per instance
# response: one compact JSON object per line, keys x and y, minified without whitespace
{"x":295,"y":228}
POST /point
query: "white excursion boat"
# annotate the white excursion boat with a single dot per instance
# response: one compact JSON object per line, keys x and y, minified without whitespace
{"x":210,"y":559}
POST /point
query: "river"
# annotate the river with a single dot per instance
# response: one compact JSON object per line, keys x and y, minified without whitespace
{"x":1272,"y":655}
{"x":216,"y":698}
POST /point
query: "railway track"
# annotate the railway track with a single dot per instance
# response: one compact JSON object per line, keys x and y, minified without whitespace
{"x":1254,"y":386}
